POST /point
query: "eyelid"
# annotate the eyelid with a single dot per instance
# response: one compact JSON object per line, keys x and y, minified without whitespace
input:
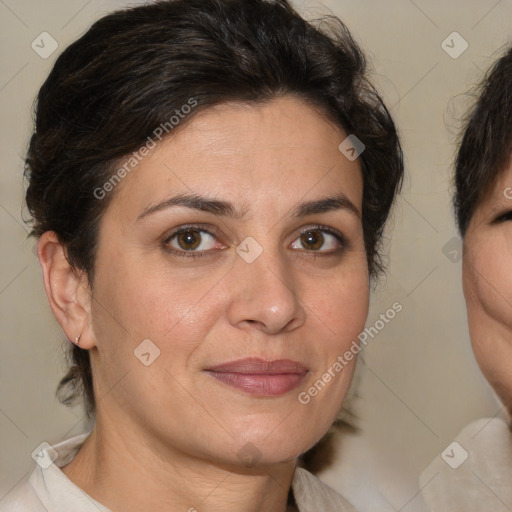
{"x":503,"y":217}
{"x":203,"y":228}
{"x":342,"y":240}
{"x":189,"y":227}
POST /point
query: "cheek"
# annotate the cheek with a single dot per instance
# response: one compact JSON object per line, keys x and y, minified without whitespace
{"x":135,"y":302}
{"x":487,"y":281}
{"x":337,"y":309}
{"x":344,"y":302}
{"x":487,"y":278}
{"x":488,"y":292}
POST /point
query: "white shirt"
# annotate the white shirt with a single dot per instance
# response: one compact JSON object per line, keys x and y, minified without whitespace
{"x":48,"y":489}
{"x":474,"y":473}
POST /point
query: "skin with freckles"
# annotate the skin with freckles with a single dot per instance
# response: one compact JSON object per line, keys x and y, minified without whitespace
{"x":487,"y":279}
{"x":169,"y":435}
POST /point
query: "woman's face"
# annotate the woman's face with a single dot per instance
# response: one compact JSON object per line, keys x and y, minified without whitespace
{"x":487,"y":278}
{"x":238,"y":237}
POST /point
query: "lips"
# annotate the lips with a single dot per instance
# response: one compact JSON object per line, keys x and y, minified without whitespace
{"x":260,"y":366}
{"x":259,"y":377}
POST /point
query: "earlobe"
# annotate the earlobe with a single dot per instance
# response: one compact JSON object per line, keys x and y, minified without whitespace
{"x":67,"y":290}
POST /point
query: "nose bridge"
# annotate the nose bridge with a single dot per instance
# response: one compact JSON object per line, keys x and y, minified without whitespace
{"x":265,"y":269}
{"x":264,"y":289}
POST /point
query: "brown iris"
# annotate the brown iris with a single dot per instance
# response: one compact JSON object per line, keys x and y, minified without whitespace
{"x":312,"y":240}
{"x":189,"y":240}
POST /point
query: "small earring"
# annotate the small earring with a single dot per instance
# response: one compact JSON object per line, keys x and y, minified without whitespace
{"x":77,"y":340}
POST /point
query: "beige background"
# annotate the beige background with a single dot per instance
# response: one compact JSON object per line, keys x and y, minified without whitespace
{"x":418,"y":384}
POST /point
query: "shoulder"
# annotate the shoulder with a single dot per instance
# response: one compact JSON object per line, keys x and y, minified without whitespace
{"x":47,"y":488}
{"x":312,"y":495}
{"x":473,"y":472}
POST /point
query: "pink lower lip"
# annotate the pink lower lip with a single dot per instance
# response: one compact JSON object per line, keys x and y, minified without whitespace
{"x":260,"y":384}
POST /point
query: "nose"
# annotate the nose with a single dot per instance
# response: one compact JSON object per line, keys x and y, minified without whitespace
{"x":265,"y":295}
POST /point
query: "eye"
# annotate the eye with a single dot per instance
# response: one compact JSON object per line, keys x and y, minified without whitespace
{"x":504,"y":217}
{"x":192,"y":240}
{"x":320,"y":239}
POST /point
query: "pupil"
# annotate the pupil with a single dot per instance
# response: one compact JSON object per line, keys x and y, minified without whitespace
{"x":189,"y":240}
{"x":312,"y":239}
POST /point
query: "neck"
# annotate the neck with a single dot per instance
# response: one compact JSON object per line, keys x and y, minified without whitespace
{"x":124,"y":474}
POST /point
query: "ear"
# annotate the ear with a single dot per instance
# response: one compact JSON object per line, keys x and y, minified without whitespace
{"x":67,"y":290}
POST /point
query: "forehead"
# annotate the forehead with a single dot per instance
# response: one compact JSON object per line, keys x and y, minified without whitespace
{"x":240,"y":150}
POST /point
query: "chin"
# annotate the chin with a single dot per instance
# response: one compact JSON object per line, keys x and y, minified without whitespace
{"x":268,"y":449}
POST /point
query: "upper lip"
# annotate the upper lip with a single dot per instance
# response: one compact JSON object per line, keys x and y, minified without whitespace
{"x":254,"y":365}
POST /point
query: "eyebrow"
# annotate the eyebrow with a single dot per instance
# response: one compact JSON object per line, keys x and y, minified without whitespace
{"x":338,"y":202}
{"x":225,"y":208}
{"x":196,"y":202}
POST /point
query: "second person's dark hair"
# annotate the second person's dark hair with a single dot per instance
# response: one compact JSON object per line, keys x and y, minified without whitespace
{"x":486,"y":143}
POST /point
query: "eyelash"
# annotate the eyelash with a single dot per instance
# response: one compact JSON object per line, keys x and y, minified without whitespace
{"x":194,"y":254}
{"x":184,"y":229}
{"x":504,"y":217}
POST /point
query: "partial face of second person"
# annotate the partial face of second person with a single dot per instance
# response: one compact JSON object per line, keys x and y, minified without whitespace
{"x":487,"y":278}
{"x":304,"y":298}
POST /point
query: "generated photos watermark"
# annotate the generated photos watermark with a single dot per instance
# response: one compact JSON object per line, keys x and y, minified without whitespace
{"x":343,"y":360}
{"x":137,"y":156}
